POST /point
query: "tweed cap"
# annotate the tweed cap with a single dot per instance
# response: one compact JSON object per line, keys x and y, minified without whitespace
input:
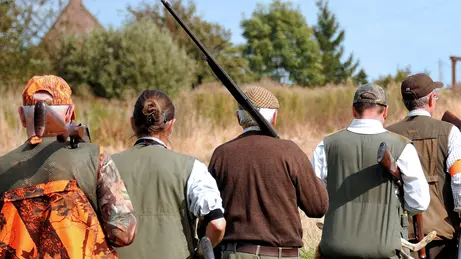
{"x":261,"y":97}
{"x":370,"y":93}
{"x":54,"y":85}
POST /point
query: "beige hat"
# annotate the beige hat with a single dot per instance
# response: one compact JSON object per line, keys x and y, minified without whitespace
{"x":263,"y":100}
{"x":261,"y":97}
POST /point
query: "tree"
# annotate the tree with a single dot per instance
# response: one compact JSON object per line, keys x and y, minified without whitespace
{"x":399,"y":76}
{"x":134,"y":58}
{"x":215,"y":38}
{"x":330,"y":39}
{"x":360,"y":78}
{"x":22,"y":24}
{"x":280,"y":45}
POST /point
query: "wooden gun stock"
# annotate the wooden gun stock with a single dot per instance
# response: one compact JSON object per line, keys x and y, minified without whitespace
{"x":49,"y":123}
{"x":451,"y":118}
{"x":386,"y":160}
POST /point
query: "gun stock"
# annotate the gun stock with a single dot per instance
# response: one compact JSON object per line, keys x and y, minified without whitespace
{"x":386,"y":160}
{"x":205,"y":249}
{"x":49,"y":123}
{"x":451,"y":118}
{"x":238,"y":95}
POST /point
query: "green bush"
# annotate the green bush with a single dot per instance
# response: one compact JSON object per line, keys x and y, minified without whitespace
{"x":113,"y":63}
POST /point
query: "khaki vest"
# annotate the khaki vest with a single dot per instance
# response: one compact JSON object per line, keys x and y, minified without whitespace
{"x":430,"y":138}
{"x":156,"y":179}
{"x":363,"y":218}
{"x":42,"y":199}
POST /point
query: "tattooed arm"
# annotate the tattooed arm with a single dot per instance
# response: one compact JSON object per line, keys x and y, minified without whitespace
{"x":119,"y":222}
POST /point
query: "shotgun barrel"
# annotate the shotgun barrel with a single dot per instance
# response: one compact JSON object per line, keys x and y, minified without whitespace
{"x":238,"y":95}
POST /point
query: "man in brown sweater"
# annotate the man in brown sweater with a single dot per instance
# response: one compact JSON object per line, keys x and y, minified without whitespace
{"x":262,"y":181}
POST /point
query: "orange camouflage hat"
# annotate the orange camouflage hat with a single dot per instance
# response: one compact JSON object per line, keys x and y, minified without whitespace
{"x":54,"y":85}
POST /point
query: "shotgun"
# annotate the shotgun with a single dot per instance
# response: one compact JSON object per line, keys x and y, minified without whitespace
{"x":238,"y":95}
{"x":451,"y":118}
{"x":49,"y":123}
{"x":386,"y":160}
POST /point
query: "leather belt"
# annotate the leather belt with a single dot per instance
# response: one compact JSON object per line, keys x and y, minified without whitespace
{"x":262,"y":250}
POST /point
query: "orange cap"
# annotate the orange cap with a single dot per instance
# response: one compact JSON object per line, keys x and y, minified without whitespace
{"x":54,"y":85}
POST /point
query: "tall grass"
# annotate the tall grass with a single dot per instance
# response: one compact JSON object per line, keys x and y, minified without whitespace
{"x":206,"y":118}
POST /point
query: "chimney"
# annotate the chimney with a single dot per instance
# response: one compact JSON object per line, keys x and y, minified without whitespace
{"x":75,"y":2}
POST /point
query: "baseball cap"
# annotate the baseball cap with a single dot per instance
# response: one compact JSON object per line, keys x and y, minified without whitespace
{"x":54,"y":85}
{"x":418,"y":86}
{"x":261,"y":97}
{"x":370,"y":93}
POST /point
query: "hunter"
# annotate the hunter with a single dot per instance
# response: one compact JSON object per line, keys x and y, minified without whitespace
{"x":169,"y":190}
{"x":363,"y":215}
{"x":57,"y":201}
{"x":262,"y":181}
{"x":439,"y":147}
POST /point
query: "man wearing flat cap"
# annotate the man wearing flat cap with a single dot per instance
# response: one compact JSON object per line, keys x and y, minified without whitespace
{"x":364,"y":214}
{"x":439,"y":147}
{"x":58,"y":201}
{"x":262,"y":181}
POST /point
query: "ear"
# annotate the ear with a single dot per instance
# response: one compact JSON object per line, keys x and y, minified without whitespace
{"x":70,"y":114}
{"x":385,"y":112}
{"x":274,"y":118}
{"x":354,"y":113}
{"x":132,"y":124}
{"x":170,"y":126}
{"x":431,"y":101}
{"x":22,"y":116}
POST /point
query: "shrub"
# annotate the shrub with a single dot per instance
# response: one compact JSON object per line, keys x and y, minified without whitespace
{"x":137,"y":57}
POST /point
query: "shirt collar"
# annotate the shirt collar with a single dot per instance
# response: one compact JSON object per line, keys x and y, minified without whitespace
{"x":252,"y":128}
{"x":419,"y":112}
{"x":154,"y":139}
{"x":366,"y":126}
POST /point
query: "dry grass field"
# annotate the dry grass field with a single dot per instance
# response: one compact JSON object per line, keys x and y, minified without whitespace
{"x":206,"y":119}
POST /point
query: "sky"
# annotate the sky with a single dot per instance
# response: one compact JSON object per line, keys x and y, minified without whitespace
{"x":383,"y":35}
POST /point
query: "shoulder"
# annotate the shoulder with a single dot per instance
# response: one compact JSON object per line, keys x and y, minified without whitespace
{"x":395,"y":124}
{"x":398,"y":137}
{"x":333,"y":135}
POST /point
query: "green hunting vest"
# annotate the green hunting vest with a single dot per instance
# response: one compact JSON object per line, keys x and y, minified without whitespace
{"x":29,"y":165}
{"x":156,"y":180}
{"x":430,"y":137}
{"x":364,"y":215}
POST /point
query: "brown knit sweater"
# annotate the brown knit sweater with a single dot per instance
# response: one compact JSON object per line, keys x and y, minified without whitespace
{"x":262,"y":181}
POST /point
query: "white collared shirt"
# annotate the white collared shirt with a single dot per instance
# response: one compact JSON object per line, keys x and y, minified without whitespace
{"x":202,"y":192}
{"x":415,"y":188}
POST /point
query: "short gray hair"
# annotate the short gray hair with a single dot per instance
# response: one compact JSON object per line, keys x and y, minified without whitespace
{"x":418,"y":103}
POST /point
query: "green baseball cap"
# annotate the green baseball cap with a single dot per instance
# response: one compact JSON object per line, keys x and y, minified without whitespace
{"x":370,"y":93}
